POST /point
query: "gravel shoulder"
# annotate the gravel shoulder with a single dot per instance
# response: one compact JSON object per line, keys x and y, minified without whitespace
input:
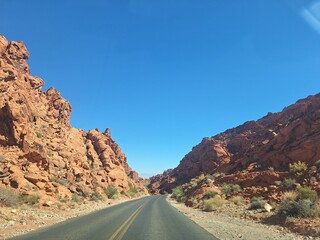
{"x":228,"y":227}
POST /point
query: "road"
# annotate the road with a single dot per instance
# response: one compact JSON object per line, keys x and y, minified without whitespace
{"x":148,"y":218}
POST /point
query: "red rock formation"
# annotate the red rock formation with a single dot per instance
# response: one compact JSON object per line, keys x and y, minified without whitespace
{"x":273,"y":141}
{"x":39,"y":149}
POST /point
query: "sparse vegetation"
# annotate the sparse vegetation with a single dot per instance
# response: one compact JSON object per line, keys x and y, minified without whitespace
{"x":133,"y":191}
{"x":256,"y":203}
{"x":290,"y":195}
{"x":76,"y":198}
{"x":8,"y":198}
{"x":302,"y":208}
{"x":39,"y":134}
{"x":307,"y":193}
{"x":298,"y":168}
{"x":229,"y":189}
{"x":213,"y":203}
{"x":178,"y":194}
{"x":96,"y":196}
{"x":288,"y":183}
{"x":29,"y":199}
{"x":271,"y":169}
{"x":317,"y":163}
{"x":57,"y":149}
{"x":237,"y":200}
{"x":2,"y":158}
{"x":111,"y":192}
{"x":209,"y":194}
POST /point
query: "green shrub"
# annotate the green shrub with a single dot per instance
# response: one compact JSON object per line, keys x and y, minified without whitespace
{"x":96,"y":196}
{"x":178,"y":194}
{"x":317,"y":163}
{"x":237,"y":200}
{"x":29,"y":199}
{"x":132,"y":191}
{"x":209,"y":194}
{"x":230,"y":189}
{"x":8,"y":198}
{"x":256,"y":203}
{"x":212,"y":204}
{"x":57,"y":149}
{"x":76,"y":198}
{"x":288,"y":183}
{"x":271,"y":169}
{"x":39,"y":134}
{"x":278,"y":183}
{"x":298,"y":168}
{"x":111,"y":192}
{"x":302,"y":208}
{"x":307,"y":193}
{"x":210,"y":177}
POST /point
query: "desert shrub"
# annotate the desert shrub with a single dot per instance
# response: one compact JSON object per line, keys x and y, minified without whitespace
{"x":317,"y":163}
{"x":29,"y":199}
{"x":8,"y":198}
{"x":96,"y":196}
{"x":307,"y":193}
{"x":57,"y":149}
{"x":298,"y":168}
{"x":76,"y":198}
{"x":178,"y":194}
{"x":39,"y":134}
{"x":132,"y":191}
{"x":208,"y":176}
{"x":271,"y":169}
{"x":288,"y":183}
{"x":302,"y":208}
{"x":2,"y":158}
{"x":290,"y":195}
{"x":256,"y":203}
{"x":111,"y":192}
{"x":209,"y":194}
{"x":230,"y":189}
{"x":278,"y":183}
{"x":212,"y":204}
{"x":237,"y":200}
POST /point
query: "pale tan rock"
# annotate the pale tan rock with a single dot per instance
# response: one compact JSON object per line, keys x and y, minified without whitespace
{"x":267,"y":207}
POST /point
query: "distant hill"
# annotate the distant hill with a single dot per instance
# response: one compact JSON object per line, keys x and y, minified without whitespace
{"x":257,"y":153}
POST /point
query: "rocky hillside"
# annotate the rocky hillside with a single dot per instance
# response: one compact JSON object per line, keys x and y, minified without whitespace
{"x":257,"y":153}
{"x":40,"y":152}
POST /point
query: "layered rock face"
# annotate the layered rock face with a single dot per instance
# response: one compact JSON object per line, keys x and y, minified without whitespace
{"x":39,"y":149}
{"x":256,"y":153}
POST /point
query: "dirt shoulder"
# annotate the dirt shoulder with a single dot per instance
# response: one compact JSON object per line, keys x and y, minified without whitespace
{"x":229,"y":225}
{"x":23,"y":219}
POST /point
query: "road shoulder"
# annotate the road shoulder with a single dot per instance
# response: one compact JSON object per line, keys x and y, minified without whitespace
{"x":226,"y":227}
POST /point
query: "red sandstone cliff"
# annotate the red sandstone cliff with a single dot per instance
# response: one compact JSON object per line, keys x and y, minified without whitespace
{"x":39,"y":149}
{"x":256,"y":153}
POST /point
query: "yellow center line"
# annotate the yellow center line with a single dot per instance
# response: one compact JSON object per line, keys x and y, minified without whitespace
{"x":129,"y":222}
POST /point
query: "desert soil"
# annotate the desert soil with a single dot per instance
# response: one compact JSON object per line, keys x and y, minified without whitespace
{"x":228,"y":225}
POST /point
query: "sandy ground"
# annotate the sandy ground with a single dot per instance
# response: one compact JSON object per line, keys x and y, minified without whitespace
{"x":226,"y":227}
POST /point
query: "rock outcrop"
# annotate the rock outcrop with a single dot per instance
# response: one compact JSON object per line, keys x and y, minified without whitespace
{"x":257,"y":153}
{"x":39,"y":149}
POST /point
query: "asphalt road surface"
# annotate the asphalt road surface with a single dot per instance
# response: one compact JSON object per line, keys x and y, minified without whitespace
{"x":149,"y":218}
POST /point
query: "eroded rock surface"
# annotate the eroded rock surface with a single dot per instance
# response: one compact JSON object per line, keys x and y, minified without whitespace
{"x":39,"y":150}
{"x":257,"y":153}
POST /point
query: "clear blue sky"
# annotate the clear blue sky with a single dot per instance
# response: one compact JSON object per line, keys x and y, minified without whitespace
{"x":163,"y":74}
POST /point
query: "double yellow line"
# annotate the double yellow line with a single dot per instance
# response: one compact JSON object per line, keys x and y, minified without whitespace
{"x":121,"y":231}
